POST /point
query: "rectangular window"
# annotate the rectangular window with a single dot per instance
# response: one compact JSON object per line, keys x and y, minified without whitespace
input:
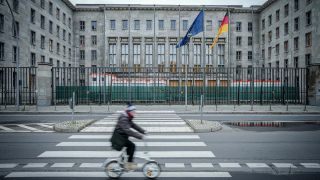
{"x":58,"y":31}
{"x":277,"y":49}
{"x":149,"y":52}
{"x":263,"y":37}
{"x":136,"y":53}
{"x":238,"y":41}
{"x":286,"y":10}
{"x":69,"y":53}
{"x":82,"y":40}
{"x":93,"y":55}
{"x":149,"y":25}
{"x":136,"y":24}
{"x":308,"y":39}
{"x":209,"y":25}
{"x":238,"y":26}
{"x":1,"y":22}
{"x":58,"y":13}
{"x":269,"y":52}
{"x":173,"y":24}
{"x":42,"y":42}
{"x":238,"y":55}
{"x":296,"y":23}
{"x":270,"y":20}
{"x":296,"y":5}
{"x":82,"y":55}
{"x":94,"y":40}
{"x":161,"y":24}
{"x":296,"y":43}
{"x":69,"y":38}
{"x":308,"y":59}
{"x":286,"y":28}
{"x":1,"y":51}
{"x":51,"y":61}
{"x":43,"y":22}
{"x":33,"y":38}
{"x":58,"y":63}
{"x":82,"y":26}
{"x":43,"y":58}
{"x":50,"y":45}
{"x":42,"y":4}
{"x":173,"y":55}
{"x":185,"y":55}
{"x":58,"y":48}
{"x":124,"y":24}
{"x":33,"y":59}
{"x":112,"y":24}
{"x":208,"y":55}
{"x":93,"y":25}
{"x":296,"y":62}
{"x":270,"y":36}
{"x":221,"y":55}
{"x":278,"y":15}
{"x":64,"y":51}
{"x":112,"y":54}
{"x":308,"y":18}
{"x":263,"y":54}
{"x":161,"y":54}
{"x":263,"y":24}
{"x":64,"y":34}
{"x":286,"y":46}
{"x":285,"y":64}
{"x":277,"y":33}
{"x":185,"y":25}
{"x":14,"y":53}
{"x":15,"y":29}
{"x":249,"y":26}
{"x":50,"y":27}
{"x":63,"y":18}
{"x":15,"y":5}
{"x":33,"y":16}
{"x":69,"y":22}
{"x":249,"y":41}
{"x":50,"y":8}
{"x":197,"y":54}
{"x":124,"y":55}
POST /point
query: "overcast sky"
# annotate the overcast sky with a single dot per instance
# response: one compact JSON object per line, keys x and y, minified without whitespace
{"x":245,"y":3}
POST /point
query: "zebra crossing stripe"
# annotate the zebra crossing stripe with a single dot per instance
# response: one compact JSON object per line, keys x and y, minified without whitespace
{"x":257,"y":165}
{"x":155,"y":144}
{"x":45,"y":125}
{"x":100,"y":174}
{"x":284,"y":165}
{"x":5,"y":166}
{"x":143,"y":123}
{"x":113,"y":154}
{"x":6,"y":128}
{"x":152,"y":112}
{"x":310,"y":165}
{"x":62,"y":165}
{"x":28,"y":127}
{"x":35,"y":165}
{"x":149,"y":129}
{"x":149,"y":137}
{"x":229,"y":165}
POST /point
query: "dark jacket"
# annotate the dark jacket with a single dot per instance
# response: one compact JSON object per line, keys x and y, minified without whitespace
{"x":123,"y":127}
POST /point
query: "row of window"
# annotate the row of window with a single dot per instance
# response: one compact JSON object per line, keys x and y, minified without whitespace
{"x":308,"y":17}
{"x":161,"y":25}
{"x":50,"y":10}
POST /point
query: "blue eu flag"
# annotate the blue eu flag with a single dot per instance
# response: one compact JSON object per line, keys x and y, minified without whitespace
{"x":196,"y":27}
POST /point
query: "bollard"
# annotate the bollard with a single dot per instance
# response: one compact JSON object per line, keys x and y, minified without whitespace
{"x":36,"y":100}
{"x":201,"y":105}
{"x":287,"y":108}
{"x":108,"y":106}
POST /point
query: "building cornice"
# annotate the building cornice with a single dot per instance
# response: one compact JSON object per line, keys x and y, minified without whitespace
{"x":69,"y":4}
{"x":266,"y":4}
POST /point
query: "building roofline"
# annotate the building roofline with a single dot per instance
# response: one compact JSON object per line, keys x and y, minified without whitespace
{"x":266,"y":4}
{"x":69,"y":4}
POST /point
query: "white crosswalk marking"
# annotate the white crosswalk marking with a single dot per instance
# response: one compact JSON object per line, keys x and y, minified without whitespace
{"x":186,"y":136}
{"x":35,"y":165}
{"x":149,"y":129}
{"x":230,"y":165}
{"x":28,"y":127}
{"x":61,"y":165}
{"x":45,"y":125}
{"x":5,"y":166}
{"x":108,"y":144}
{"x":257,"y":165}
{"x":6,"y":128}
{"x":144,"y":123}
{"x":310,"y":165}
{"x":284,"y":165}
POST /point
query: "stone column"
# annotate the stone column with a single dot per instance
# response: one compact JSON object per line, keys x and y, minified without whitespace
{"x":314,"y":85}
{"x":44,"y":83}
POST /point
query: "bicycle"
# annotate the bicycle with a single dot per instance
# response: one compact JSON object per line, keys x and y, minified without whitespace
{"x":114,"y":168}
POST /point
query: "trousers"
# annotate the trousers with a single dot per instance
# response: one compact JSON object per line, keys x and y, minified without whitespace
{"x":130,"y":149}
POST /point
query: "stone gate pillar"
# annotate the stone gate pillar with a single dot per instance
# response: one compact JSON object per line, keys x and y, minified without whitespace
{"x":44,"y":84}
{"x":314,"y":85}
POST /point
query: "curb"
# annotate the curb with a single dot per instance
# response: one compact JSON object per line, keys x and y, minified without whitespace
{"x":205,"y":126}
{"x":72,"y":126}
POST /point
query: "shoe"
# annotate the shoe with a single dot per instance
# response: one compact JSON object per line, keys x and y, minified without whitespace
{"x":130,"y":166}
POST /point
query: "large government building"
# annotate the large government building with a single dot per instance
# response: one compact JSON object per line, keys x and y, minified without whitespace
{"x":279,"y":33}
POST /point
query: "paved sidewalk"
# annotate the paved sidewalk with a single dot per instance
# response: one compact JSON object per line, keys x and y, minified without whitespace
{"x":228,"y":109}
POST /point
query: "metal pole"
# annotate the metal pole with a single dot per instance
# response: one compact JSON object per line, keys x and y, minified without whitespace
{"x":229,"y":44}
{"x":201,"y":104}
{"x":252,"y":64}
{"x":73,"y":103}
{"x":153,"y":54}
{"x":130,"y":65}
{"x":203,"y":55}
{"x":18,"y":58}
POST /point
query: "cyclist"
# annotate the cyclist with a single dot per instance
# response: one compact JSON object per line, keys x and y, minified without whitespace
{"x":123,"y":128}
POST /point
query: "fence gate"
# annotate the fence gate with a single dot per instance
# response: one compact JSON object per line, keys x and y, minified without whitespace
{"x":114,"y":85}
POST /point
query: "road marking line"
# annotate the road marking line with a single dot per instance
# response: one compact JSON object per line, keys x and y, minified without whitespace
{"x":149,"y":129}
{"x":229,"y":165}
{"x":5,"y":166}
{"x":27,"y":127}
{"x":103,"y":174}
{"x":91,"y":165}
{"x":146,"y":112}
{"x":284,"y":165}
{"x":6,"y":128}
{"x":109,"y":154}
{"x":144,"y":123}
{"x":174,"y":165}
{"x":62,"y":165}
{"x":149,"y":137}
{"x":35,"y":165}
{"x":257,"y":165}
{"x":310,"y":165}
{"x":201,"y":165}
{"x":142,"y":144}
{"x":45,"y":125}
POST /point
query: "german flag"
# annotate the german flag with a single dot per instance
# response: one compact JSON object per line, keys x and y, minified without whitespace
{"x":223,"y":28}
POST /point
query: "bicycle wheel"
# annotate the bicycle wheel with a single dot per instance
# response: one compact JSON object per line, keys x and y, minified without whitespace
{"x":151,"y":169}
{"x":113,"y":169}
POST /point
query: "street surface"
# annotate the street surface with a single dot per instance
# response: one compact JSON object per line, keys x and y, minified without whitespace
{"x":31,"y":150}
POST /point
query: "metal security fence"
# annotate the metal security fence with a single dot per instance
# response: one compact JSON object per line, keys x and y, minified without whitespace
{"x":27,"y":85}
{"x":113,"y":85}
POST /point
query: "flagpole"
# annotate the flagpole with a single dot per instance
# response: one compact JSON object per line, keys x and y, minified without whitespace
{"x":252,"y":61}
{"x":229,"y":44}
{"x":129,"y":53}
{"x":154,"y":51}
{"x":203,"y":54}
